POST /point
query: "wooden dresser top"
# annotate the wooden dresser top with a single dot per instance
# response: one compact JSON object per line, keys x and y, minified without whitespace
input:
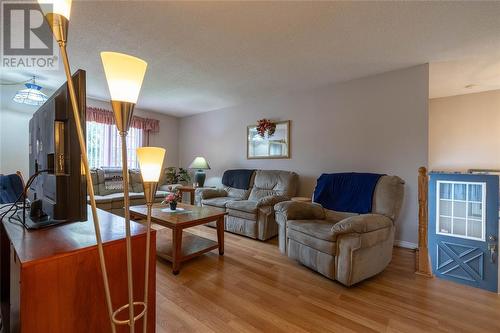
{"x":37,"y":245}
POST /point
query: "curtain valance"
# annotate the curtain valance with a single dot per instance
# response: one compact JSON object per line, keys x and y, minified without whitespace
{"x":104,"y":116}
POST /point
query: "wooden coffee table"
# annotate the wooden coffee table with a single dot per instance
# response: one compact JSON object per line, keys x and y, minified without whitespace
{"x":183,"y":247}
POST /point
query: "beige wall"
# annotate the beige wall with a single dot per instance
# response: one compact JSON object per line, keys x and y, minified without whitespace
{"x":373,"y":124}
{"x":14,"y":142}
{"x":464,"y":132}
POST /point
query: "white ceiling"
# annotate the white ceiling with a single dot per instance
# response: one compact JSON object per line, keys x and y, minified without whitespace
{"x":205,"y":56}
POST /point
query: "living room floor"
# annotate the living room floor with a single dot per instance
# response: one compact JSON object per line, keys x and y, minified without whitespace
{"x":253,"y":288}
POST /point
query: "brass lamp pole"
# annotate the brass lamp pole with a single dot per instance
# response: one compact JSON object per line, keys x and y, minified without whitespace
{"x":57,"y":16}
{"x":150,"y":163}
{"x":125,"y":74}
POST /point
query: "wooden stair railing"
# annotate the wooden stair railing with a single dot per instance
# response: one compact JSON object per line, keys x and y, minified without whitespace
{"x":422,"y":262}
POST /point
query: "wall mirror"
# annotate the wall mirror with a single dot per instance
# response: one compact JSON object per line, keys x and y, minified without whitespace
{"x":267,"y":147}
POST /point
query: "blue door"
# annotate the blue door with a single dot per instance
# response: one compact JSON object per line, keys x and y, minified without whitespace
{"x":463,"y":228}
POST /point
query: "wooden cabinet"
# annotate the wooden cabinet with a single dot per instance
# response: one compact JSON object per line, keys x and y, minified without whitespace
{"x":51,"y":279}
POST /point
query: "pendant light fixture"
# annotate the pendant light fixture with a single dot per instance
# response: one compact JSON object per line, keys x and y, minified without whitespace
{"x":31,"y":95}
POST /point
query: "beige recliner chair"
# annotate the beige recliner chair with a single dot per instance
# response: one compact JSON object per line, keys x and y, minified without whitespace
{"x":342,"y":246}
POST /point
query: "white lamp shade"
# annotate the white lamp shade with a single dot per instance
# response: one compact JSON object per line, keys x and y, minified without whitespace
{"x":150,"y":162}
{"x":199,"y":163}
{"x":60,"y":7}
{"x":124,"y":74}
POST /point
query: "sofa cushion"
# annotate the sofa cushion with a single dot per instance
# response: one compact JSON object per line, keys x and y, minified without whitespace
{"x":218,"y":202}
{"x":321,"y":229}
{"x":242,"y":214}
{"x":243,"y":205}
{"x":312,"y":258}
{"x":135,"y":180}
{"x":241,"y":226}
{"x":102,"y":190}
{"x":328,"y":247}
{"x":335,"y":216}
{"x":116,"y":197}
{"x":237,"y":193}
{"x":244,"y":209}
{"x":108,"y":198}
{"x":273,"y":182}
{"x":160,"y":193}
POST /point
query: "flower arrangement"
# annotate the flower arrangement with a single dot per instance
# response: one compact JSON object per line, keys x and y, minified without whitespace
{"x":266,"y":126}
{"x":172,"y":199}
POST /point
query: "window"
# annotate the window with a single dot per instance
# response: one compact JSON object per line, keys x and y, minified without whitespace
{"x":104,"y":145}
{"x":461,"y":209}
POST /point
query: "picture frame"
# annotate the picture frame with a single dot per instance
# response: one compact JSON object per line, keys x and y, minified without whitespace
{"x":275,"y":147}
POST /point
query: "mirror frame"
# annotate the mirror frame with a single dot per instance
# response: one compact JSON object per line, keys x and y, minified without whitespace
{"x":287,"y":156}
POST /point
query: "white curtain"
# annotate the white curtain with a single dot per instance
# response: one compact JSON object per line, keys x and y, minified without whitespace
{"x":104,"y":145}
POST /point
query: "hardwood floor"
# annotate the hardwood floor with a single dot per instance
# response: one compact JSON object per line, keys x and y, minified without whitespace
{"x":253,"y":288}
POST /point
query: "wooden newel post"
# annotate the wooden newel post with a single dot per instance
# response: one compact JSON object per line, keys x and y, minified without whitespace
{"x":423,"y":265}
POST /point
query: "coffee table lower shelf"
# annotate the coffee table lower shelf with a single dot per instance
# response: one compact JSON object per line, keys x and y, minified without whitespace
{"x":192,"y":245}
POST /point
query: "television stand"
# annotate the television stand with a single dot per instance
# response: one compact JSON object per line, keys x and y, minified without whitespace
{"x":50,"y":279}
{"x":32,"y":224}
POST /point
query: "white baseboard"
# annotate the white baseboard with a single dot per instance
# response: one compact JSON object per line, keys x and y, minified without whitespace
{"x":405,"y":244}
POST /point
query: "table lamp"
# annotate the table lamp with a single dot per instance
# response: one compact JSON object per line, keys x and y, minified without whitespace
{"x":124,"y":74}
{"x":57,"y":13}
{"x":199,"y":164}
{"x":150,"y":164}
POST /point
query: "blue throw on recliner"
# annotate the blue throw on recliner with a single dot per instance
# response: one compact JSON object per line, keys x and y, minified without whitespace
{"x":346,"y":192}
{"x":11,"y":187}
{"x":237,"y":178}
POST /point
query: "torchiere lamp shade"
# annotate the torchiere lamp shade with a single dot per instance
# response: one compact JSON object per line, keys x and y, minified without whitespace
{"x":124,"y":74}
{"x":150,"y":162}
{"x":57,"y":14}
{"x":58,"y":7}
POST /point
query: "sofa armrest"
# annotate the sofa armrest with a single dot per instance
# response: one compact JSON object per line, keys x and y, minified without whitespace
{"x":295,"y":210}
{"x":362,"y":224}
{"x":208,"y":193}
{"x":364,"y":247}
{"x":271,"y":200}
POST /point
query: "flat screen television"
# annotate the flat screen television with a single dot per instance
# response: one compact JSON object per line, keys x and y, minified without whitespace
{"x":60,"y":193}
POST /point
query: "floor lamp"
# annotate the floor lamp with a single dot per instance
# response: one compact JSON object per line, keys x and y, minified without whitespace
{"x":57,"y":13}
{"x":124,"y":75}
{"x":150,"y":163}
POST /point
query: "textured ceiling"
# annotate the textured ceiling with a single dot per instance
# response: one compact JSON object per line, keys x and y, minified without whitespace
{"x":205,"y":56}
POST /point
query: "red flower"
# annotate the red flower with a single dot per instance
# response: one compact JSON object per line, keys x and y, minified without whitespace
{"x":266,"y":125}
{"x":175,"y":196}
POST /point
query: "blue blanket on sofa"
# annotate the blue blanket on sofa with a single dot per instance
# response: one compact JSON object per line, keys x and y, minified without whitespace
{"x":237,"y":178}
{"x":346,"y":192}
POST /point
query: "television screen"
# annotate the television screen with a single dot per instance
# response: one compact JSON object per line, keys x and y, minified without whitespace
{"x":60,"y":191}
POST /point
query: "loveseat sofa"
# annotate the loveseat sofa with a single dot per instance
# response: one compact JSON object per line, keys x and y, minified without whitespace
{"x":250,"y":209}
{"x":111,"y":200}
{"x":343,"y":246}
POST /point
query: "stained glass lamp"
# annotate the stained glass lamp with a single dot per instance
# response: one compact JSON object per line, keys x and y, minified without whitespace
{"x":31,"y":95}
